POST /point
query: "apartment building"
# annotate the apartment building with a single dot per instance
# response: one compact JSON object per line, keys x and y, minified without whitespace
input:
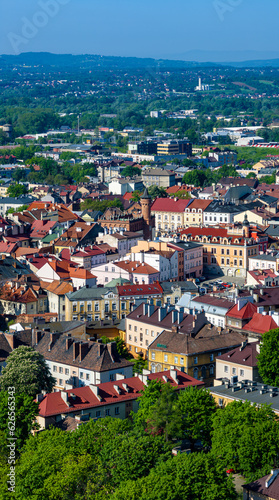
{"x":169,"y":214}
{"x":147,"y":321}
{"x":226,"y":250}
{"x":159,"y":177}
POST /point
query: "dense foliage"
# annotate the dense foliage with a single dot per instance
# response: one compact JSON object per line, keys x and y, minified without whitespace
{"x":27,"y":371}
{"x":268,"y":358}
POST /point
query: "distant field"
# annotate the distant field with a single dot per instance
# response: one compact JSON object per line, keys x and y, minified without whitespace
{"x":241,"y":84}
{"x":266,"y":82}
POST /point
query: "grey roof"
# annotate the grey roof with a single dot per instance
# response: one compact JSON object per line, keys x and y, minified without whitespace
{"x":57,"y":326}
{"x":237,"y":393}
{"x":186,"y":286}
{"x":217,"y":207}
{"x":269,"y":257}
{"x":21,"y":200}
{"x":8,"y":271}
{"x":268,"y":199}
{"x":94,"y":293}
{"x":273,"y":230}
{"x":156,"y":171}
{"x":189,"y":245}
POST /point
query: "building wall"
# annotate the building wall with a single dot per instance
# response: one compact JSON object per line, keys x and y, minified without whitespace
{"x":213,"y":218}
{"x":225,"y":369}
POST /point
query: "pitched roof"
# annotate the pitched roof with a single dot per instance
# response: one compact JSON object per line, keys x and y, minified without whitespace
{"x":245,"y":312}
{"x":127,"y":290}
{"x":259,"y":487}
{"x":136,"y":267}
{"x":260,"y":323}
{"x":245,"y":356}
{"x":127,"y":389}
{"x":169,"y":341}
{"x":213,"y":300}
{"x":57,"y":287}
{"x":169,"y":205}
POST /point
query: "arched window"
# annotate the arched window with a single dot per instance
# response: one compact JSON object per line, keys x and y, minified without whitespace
{"x":203,"y":372}
{"x":196,"y":373}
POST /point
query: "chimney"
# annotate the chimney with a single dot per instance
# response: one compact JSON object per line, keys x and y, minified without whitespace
{"x":180,"y":315}
{"x":83,"y":350}
{"x":162,"y":312}
{"x":174,"y":316}
{"x":65,"y":396}
{"x":243,"y":345}
{"x":274,"y":473}
{"x":258,"y":348}
{"x":36,"y":336}
{"x":69,"y":342}
{"x":75,"y":350}
{"x":150,"y":309}
{"x":112,"y":350}
{"x":100,"y":349}
{"x":173,"y":374}
{"x":174,"y":329}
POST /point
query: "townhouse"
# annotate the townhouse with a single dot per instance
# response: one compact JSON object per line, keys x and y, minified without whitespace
{"x":123,"y":240}
{"x":79,"y":234}
{"x":194,"y":212}
{"x":167,"y":258}
{"x":75,"y":363}
{"x":136,"y":271}
{"x":87,"y":304}
{"x":169,"y":214}
{"x":21,"y":297}
{"x":214,"y":307}
{"x":56,"y":292}
{"x":239,"y":364}
{"x":147,"y":321}
{"x":194,"y":353}
{"x":264,"y":261}
{"x":89,"y":256}
{"x":220,"y":213}
{"x":117,"y":398}
{"x":226,"y":250}
{"x":131,"y":295}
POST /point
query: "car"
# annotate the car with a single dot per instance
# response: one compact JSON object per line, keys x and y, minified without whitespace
{"x":230,"y":471}
{"x":202,"y":278}
{"x":197,"y":281}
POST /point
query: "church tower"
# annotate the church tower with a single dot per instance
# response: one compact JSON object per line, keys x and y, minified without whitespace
{"x":145,"y":201}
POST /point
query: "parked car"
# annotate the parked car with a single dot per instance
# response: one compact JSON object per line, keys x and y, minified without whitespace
{"x":202,"y":278}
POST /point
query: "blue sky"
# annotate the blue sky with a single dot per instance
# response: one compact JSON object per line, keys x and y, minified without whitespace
{"x":213,"y":30}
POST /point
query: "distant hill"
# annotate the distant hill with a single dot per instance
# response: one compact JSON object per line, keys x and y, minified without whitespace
{"x":87,"y":61}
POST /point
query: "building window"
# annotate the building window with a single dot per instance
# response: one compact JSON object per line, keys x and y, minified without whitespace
{"x":211,"y":357}
{"x":153,"y":355}
{"x":123,"y":306}
{"x":211,"y":370}
{"x":195,"y":360}
{"x":226,"y":369}
{"x":60,"y":369}
{"x":97,"y":307}
{"x":89,"y":308}
{"x":195,"y":373}
{"x":152,"y":333}
{"x":98,"y":413}
{"x":175,"y":360}
{"x":234,"y":371}
{"x":130,"y":326}
{"x":87,"y":376}
{"x":107,"y":412}
{"x":135,"y":328}
{"x":55,"y":368}
{"x":222,"y":261}
{"x":130,"y":337}
{"x":166,"y":358}
{"x":116,"y":410}
{"x":60,"y":381}
{"x":182,"y":361}
{"x":241,"y":372}
{"x":111,"y":377}
{"x":220,"y":402}
{"x":81,"y":374}
{"x":135,"y":339}
{"x":228,"y":262}
{"x":66,"y":371}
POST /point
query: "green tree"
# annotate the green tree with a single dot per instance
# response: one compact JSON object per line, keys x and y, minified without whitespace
{"x":157,"y":192}
{"x":25,"y":410}
{"x":268,"y":357}
{"x":26,"y":370}
{"x":140,"y":364}
{"x":251,"y":175}
{"x":197,"y":408}
{"x":246,"y":438}
{"x":22,"y":208}
{"x":147,"y":401}
{"x":16,"y":190}
{"x":163,"y":417}
{"x":195,"y":178}
{"x":131,"y":171}
{"x":185,"y":477}
{"x":136,"y":195}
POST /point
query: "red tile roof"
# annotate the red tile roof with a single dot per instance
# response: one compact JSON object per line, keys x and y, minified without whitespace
{"x":260,"y":324}
{"x":169,"y":205}
{"x":246,"y":312}
{"x":84,"y":397}
{"x":127,"y":290}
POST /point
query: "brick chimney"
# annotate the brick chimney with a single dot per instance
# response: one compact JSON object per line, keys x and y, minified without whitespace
{"x":101,"y":348}
{"x":36,"y":336}
{"x":69,"y":342}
